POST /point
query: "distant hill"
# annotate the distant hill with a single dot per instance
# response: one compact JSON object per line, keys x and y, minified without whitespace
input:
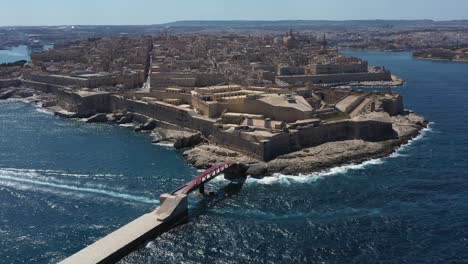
{"x":258,"y":24}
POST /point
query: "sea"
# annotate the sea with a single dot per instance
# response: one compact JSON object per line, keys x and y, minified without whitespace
{"x":65,"y":184}
{"x":15,"y":54}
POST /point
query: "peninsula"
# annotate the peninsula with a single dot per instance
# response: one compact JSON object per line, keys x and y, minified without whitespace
{"x":460,"y":55}
{"x":281,"y":103}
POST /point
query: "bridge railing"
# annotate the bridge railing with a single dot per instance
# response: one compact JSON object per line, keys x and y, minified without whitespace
{"x":204,"y":177}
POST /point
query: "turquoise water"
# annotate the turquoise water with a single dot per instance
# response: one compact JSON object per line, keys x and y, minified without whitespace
{"x":63,"y":184}
{"x":14,"y":54}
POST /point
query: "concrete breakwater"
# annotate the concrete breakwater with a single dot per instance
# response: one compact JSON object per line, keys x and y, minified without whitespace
{"x":110,"y":249}
{"x":173,"y":211}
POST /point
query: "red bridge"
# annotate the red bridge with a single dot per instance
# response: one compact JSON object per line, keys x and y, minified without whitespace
{"x":208,"y":175}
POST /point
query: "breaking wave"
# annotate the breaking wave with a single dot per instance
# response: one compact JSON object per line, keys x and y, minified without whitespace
{"x":44,"y":111}
{"x":127,"y":125}
{"x":168,"y":145}
{"x":400,"y":151}
{"x":283,"y":179}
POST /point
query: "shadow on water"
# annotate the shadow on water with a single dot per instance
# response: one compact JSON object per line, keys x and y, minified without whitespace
{"x":214,"y":199}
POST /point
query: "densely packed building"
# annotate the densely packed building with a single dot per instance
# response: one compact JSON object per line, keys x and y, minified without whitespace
{"x":261,"y":95}
{"x":116,"y":62}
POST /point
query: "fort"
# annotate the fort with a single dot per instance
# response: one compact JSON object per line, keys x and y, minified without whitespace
{"x":234,"y":105}
{"x":256,"y":97}
{"x":460,"y":54}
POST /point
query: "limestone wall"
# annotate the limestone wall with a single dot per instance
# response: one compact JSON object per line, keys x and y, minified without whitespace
{"x":337,"y":68}
{"x":234,"y":140}
{"x":335,"y":131}
{"x":393,"y":106}
{"x":59,"y":80}
{"x":281,"y":143}
{"x":186,"y":98}
{"x":43,"y":87}
{"x":337,"y":78}
{"x":83,"y":105}
{"x":163,"y":112}
{"x":9,"y":83}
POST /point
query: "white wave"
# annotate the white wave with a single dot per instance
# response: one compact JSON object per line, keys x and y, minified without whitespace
{"x":127,"y":125}
{"x":44,"y":111}
{"x":398,"y":152}
{"x":168,"y":145}
{"x":22,"y":100}
{"x":283,"y":179}
{"x":150,"y":244}
{"x":67,"y":187}
{"x":36,"y":172}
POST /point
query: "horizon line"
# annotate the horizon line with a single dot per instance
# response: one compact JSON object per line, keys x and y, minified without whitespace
{"x":246,"y":20}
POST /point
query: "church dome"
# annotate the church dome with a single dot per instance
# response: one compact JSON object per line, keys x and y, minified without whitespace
{"x":290,"y":42}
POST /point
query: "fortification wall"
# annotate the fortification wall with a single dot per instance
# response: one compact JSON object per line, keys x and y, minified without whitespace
{"x":338,"y":68}
{"x":280,"y":144}
{"x":335,"y":131}
{"x":43,"y":87}
{"x":186,"y":98}
{"x":234,"y":140}
{"x":9,"y":83}
{"x":337,"y":78}
{"x":163,"y":112}
{"x":393,"y":106}
{"x":59,"y":80}
{"x":172,"y":116}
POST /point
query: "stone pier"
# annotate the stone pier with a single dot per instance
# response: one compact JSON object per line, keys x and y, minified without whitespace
{"x":110,"y":249}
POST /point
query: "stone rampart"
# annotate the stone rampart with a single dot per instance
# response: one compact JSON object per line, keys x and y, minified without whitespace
{"x":312,"y":136}
{"x":337,"y":78}
{"x":9,"y":83}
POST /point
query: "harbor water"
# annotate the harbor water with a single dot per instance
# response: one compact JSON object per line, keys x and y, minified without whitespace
{"x":65,"y":184}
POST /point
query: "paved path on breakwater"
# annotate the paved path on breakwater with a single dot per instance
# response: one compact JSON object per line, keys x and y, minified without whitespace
{"x":172,"y":212}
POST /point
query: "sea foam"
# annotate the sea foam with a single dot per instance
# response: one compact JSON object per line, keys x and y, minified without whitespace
{"x":283,"y":179}
{"x":30,"y":179}
{"x":44,"y":111}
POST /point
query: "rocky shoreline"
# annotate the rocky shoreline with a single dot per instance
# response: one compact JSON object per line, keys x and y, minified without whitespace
{"x":315,"y":159}
{"x":440,"y":59}
{"x":200,"y":152}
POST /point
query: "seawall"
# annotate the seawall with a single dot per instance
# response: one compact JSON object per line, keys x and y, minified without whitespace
{"x":86,"y":104}
{"x":4,"y":83}
{"x":111,"y":248}
{"x":337,"y":78}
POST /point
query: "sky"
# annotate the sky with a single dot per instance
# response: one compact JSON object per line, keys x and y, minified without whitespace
{"x":146,"y":12}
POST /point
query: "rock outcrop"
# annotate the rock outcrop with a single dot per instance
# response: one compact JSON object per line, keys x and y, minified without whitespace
{"x":125,"y":119}
{"x":6,"y":94}
{"x":97,"y":118}
{"x":205,"y":155}
{"x":316,"y":158}
{"x":189,"y":141}
{"x":181,"y":139}
{"x":149,"y":125}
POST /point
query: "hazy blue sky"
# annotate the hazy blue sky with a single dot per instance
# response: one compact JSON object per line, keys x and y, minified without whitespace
{"x":72,"y":12}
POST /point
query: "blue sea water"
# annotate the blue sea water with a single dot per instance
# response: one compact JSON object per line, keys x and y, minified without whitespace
{"x":14,"y":54}
{"x":64,"y":184}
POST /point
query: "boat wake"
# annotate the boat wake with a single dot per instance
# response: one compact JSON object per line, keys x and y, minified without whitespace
{"x":35,"y":181}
